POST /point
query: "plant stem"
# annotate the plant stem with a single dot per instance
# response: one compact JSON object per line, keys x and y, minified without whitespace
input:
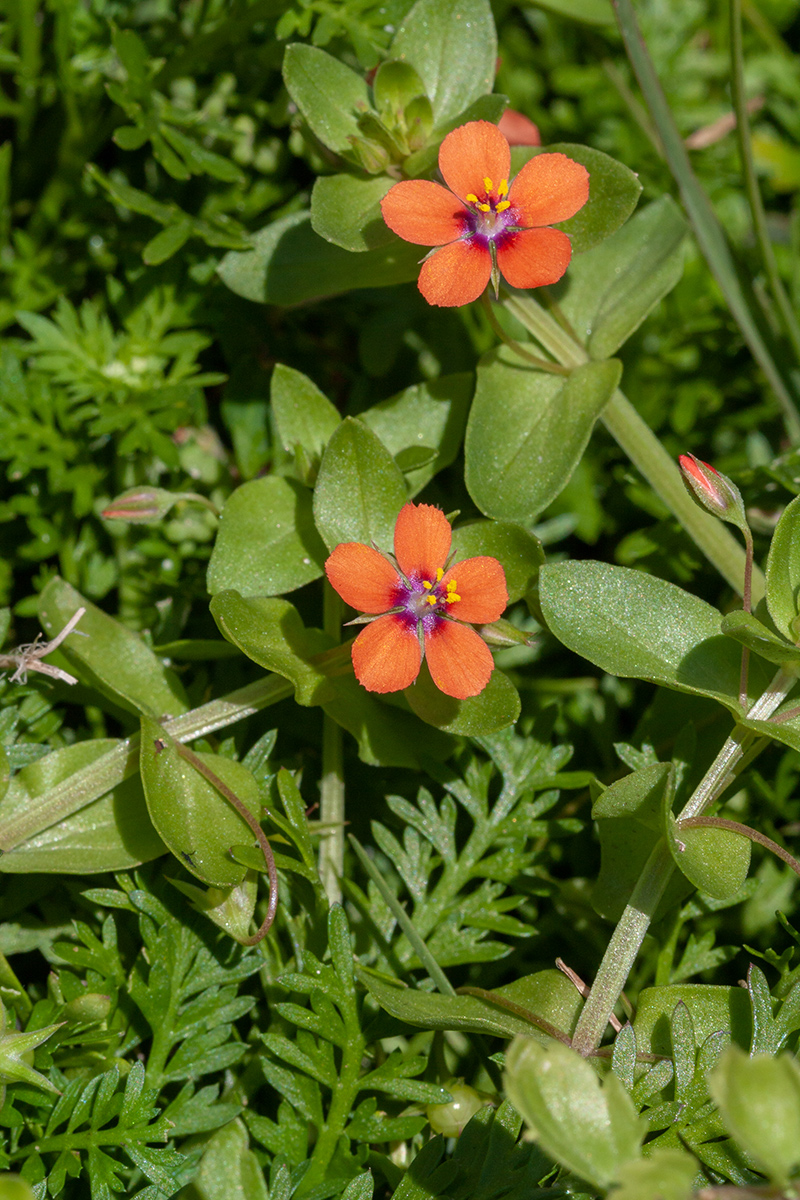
{"x":629,"y":934}
{"x":57,"y":803}
{"x":331,"y":850}
{"x":542,"y":363}
{"x":751,"y":182}
{"x":708,"y":231}
{"x":647,"y":454}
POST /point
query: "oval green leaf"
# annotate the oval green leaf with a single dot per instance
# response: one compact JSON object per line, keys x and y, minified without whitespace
{"x":528,"y":430}
{"x":347,"y":211}
{"x":783,"y":571}
{"x":303,"y":415}
{"x":360,"y":489}
{"x":497,"y":706}
{"x":329,"y":95}
{"x":519,"y":552}
{"x":715,"y":860}
{"x":635,"y":625}
{"x":452,"y":44}
{"x":195,"y":821}
{"x":267,"y":541}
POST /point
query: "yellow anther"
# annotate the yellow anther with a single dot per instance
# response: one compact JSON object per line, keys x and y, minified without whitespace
{"x":427,"y":585}
{"x":503,"y":205}
{"x":472,"y":199}
{"x":503,"y":189}
{"x":439,"y":574}
{"x":487,"y":183}
{"x":431,"y":600}
{"x":451,"y":598}
{"x":485,"y":207}
{"x":451,"y":585}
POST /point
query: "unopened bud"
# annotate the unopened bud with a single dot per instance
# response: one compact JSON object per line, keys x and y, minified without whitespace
{"x":450,"y":1119}
{"x":503,"y":633}
{"x":369,"y":155}
{"x":518,"y":130}
{"x":141,"y":506}
{"x":715,"y":492}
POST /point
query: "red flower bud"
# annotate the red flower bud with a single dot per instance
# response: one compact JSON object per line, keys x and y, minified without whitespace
{"x":715,"y":492}
{"x":140,"y":506}
{"x":519,"y":130}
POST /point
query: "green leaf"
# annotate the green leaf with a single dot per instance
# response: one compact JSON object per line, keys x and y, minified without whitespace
{"x":634,"y":625}
{"x":545,"y":994}
{"x":665,"y":1175}
{"x":168,"y":242}
{"x":303,"y":415}
{"x":267,"y":541}
{"x":608,"y":292}
{"x":347,"y":211}
{"x":715,"y":860}
{"x":632,"y":815}
{"x":395,"y":85}
{"x":614,"y":191}
{"x":272,"y":633}
{"x":360,"y":489}
{"x":112,"y":833}
{"x":592,"y":12}
{"x":519,"y":552}
{"x":432,"y":414}
{"x":452,"y":44}
{"x":748,"y":630}
{"x":290,"y":264}
{"x":329,"y":95}
{"x":783,"y":571}
{"x":527,"y":431}
{"x":759,"y":1100}
{"x":497,"y":706}
{"x":589,"y":1127}
{"x":196,"y":822}
{"x":229,"y":1169}
{"x":109,"y":657}
{"x":712,"y":1008}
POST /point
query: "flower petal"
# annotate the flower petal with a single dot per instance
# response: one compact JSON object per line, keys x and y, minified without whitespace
{"x":481,"y":584}
{"x":534,"y":257}
{"x":518,"y":129}
{"x":423,"y":212}
{"x":422,"y":539}
{"x":549,"y":188}
{"x":460,"y":663}
{"x":363,"y":578}
{"x":472,"y":153}
{"x":387,"y":655}
{"x":456,"y":274}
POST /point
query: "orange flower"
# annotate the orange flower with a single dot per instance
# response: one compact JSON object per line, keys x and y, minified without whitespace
{"x":427,"y":608}
{"x":482,"y":225}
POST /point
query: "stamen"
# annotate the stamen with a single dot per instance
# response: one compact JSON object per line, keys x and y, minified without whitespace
{"x":431,"y":600}
{"x":485,"y":207}
{"x":503,"y":189}
{"x":452,"y":585}
{"x":451,"y":598}
{"x":439,"y":574}
{"x":427,"y":585}
{"x":472,"y":199}
{"x":503,"y":205}
{"x":487,"y":183}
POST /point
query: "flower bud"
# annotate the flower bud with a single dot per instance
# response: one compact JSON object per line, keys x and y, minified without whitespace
{"x":715,"y":492}
{"x":518,"y":130}
{"x":140,"y":506}
{"x":450,"y":1119}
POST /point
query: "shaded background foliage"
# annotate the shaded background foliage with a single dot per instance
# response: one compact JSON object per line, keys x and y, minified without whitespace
{"x":140,"y":142}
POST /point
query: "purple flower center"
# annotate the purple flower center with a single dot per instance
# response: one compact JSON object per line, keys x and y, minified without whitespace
{"x":425,"y":600}
{"x":489,"y":216}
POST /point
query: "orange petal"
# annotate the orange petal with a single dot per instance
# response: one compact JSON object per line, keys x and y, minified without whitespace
{"x":363,"y":578}
{"x":472,"y":153}
{"x":456,"y":274}
{"x":460,"y":662}
{"x":549,"y":188}
{"x":423,"y":212}
{"x":422,"y":539}
{"x":387,"y":655}
{"x":481,"y":584}
{"x":534,"y":257}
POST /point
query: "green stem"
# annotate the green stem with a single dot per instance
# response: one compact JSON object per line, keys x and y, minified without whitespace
{"x":99,"y":777}
{"x":332,"y":806}
{"x":627,"y":938}
{"x":708,"y":231}
{"x":751,"y":182}
{"x":647,"y":454}
{"x":19,"y":999}
{"x":542,"y":363}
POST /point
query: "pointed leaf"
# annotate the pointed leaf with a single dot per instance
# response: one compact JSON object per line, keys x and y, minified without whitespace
{"x":360,"y":489}
{"x":452,"y":45}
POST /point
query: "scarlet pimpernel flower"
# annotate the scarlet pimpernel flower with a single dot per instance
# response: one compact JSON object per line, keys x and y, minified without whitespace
{"x":479,"y":225}
{"x":421,"y":606}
